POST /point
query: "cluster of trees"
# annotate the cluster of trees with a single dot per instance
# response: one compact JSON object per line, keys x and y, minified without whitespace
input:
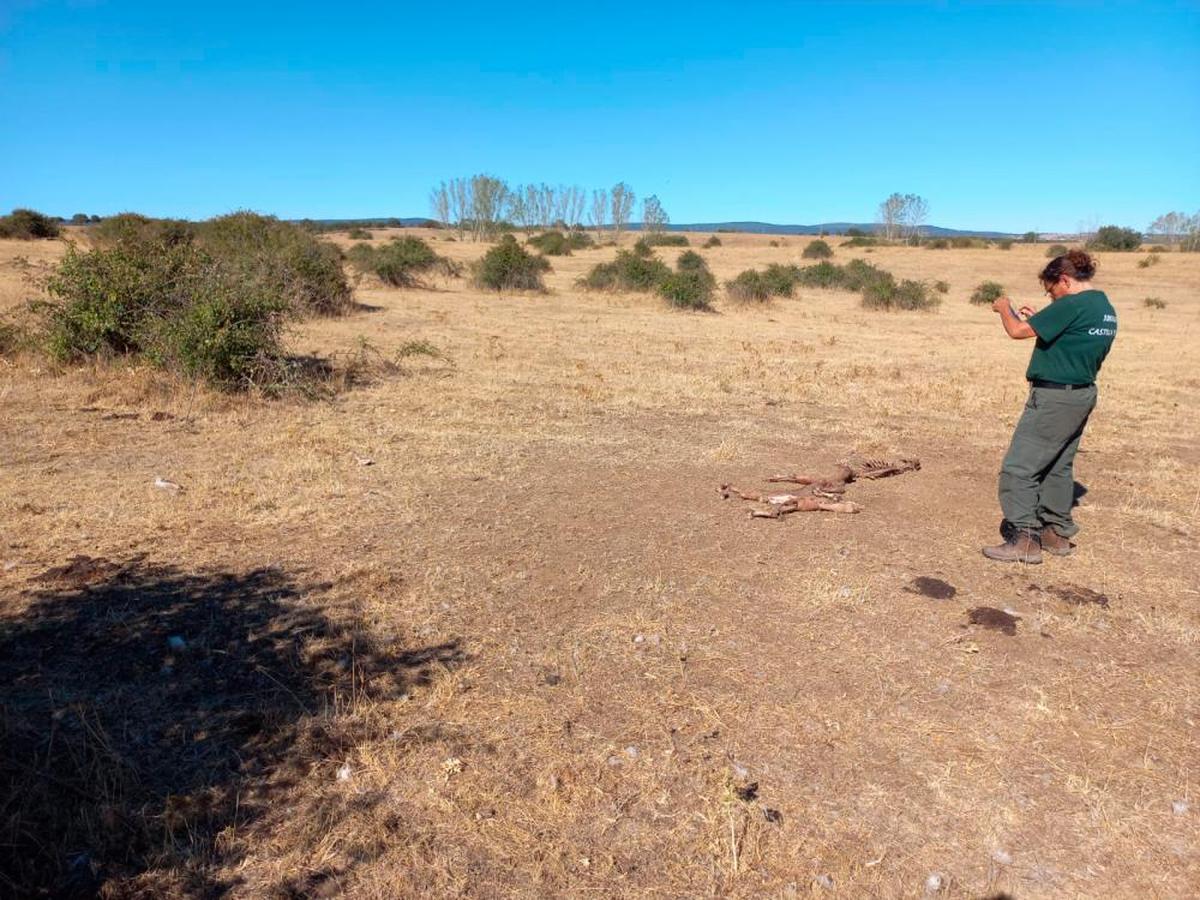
{"x":902,"y":215}
{"x":1178,"y":228}
{"x":483,"y":206}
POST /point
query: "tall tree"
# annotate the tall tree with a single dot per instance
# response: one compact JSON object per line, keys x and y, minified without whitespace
{"x":489,"y":196}
{"x":439,"y":204}
{"x":914,"y":214}
{"x":1170,"y":225}
{"x":622,"y":198}
{"x":654,"y":218}
{"x":599,"y":214}
{"x":891,"y":212}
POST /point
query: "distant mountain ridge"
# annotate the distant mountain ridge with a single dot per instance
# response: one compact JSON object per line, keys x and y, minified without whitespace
{"x":745,"y":227}
{"x":828,"y":228}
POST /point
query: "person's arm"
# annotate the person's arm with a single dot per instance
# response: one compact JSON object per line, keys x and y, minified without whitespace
{"x":1016,"y":328}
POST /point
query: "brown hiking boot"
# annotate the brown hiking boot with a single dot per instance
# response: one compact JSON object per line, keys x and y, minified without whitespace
{"x":1023,"y":547}
{"x":1053,"y":542}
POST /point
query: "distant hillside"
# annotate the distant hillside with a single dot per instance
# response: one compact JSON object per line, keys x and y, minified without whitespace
{"x":746,"y":227}
{"x":827,"y":227}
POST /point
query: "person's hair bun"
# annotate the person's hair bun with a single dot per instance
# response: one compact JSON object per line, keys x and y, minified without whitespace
{"x":1083,"y":264}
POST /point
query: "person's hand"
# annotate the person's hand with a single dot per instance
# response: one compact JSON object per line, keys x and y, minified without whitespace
{"x":1001,"y":304}
{"x":1025,"y":312}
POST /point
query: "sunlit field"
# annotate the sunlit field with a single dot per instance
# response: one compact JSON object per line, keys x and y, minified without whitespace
{"x":481,"y":624}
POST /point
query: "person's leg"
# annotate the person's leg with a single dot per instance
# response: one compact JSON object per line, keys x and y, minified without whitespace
{"x":1058,"y":492}
{"x":1048,"y":424}
{"x":1029,"y":454}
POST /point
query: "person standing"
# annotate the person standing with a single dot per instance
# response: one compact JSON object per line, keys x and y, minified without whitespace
{"x":1074,"y":334}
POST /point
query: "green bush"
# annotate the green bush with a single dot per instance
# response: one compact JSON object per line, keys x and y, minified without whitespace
{"x":177,"y":307}
{"x":663,"y":239}
{"x":551,"y":243}
{"x":580,"y":240}
{"x":822,"y":275}
{"x":942,"y":287}
{"x":817,"y":249}
{"x":1055,"y":250}
{"x":135,"y":230}
{"x":748,"y":287}
{"x":509,"y":266}
{"x":359,"y":234}
{"x":1113,"y":237}
{"x":987,"y":293}
{"x":688,"y":288}
{"x":691,"y":261}
{"x":630,"y":271}
{"x":860,"y":240}
{"x":1029,"y":237}
{"x":857,"y":275}
{"x":1154,"y":303}
{"x":906,"y":295}
{"x":28,"y":225}
{"x":286,"y":261}
{"x":781,"y":280}
{"x":937,"y":244}
{"x":1005,"y":244}
{"x":713,"y":241}
{"x":962,"y":243}
{"x":400,"y":261}
{"x":1152,"y":260}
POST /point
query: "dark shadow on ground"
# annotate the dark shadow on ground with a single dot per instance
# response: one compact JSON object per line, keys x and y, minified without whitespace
{"x":144,"y":710}
{"x":1078,"y":491}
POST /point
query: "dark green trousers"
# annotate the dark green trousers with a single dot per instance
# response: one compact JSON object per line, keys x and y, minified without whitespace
{"x":1037,"y":484}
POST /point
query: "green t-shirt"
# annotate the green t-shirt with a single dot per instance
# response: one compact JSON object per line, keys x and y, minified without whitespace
{"x":1074,"y":334}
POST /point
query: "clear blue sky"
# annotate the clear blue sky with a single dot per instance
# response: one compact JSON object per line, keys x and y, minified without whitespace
{"x":1003,"y":115}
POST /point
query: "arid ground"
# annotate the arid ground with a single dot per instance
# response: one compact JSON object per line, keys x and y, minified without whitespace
{"x":481,"y":625}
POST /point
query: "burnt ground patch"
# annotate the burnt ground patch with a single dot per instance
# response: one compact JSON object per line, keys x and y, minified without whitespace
{"x":993,"y":619}
{"x":1078,"y":596}
{"x":934,"y":588}
{"x":145,"y":709}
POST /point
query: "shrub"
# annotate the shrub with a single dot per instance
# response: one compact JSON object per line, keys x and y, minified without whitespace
{"x":781,"y":280}
{"x":748,"y":287}
{"x":642,"y":249}
{"x":1056,"y":250}
{"x":860,"y":240}
{"x":286,"y":261}
{"x":962,"y":243}
{"x":942,"y":287}
{"x":691,"y":261}
{"x":1029,"y":237}
{"x":630,"y":271}
{"x":1152,"y":260}
{"x":857,"y":275}
{"x":937,"y":244}
{"x":1113,"y":237}
{"x":885,"y":293}
{"x":28,"y":225}
{"x":551,"y":243}
{"x":1160,"y":248}
{"x":133,"y":230}
{"x":774,"y":243}
{"x":817,"y":249}
{"x":1154,"y":303}
{"x":713,"y":241}
{"x":400,"y":261}
{"x":822,"y":275}
{"x":178,"y":307}
{"x":987,"y":293}
{"x":688,"y":288}
{"x":359,"y":234}
{"x":1004,"y":245}
{"x":509,"y":266}
{"x":580,"y":240}
{"x":663,"y":239}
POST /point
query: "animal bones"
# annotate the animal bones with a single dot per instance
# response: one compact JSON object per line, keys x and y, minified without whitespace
{"x":820,"y":492}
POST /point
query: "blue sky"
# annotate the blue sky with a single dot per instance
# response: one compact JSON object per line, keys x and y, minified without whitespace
{"x":1012,"y":116}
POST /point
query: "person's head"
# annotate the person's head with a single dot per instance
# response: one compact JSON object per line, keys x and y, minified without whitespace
{"x":1065,"y":274}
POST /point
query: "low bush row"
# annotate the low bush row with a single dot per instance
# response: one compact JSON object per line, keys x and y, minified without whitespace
{"x":209,"y":300}
{"x":401,"y":261}
{"x":28,"y":225}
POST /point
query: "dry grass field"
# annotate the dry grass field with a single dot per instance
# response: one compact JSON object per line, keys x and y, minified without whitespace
{"x":483,"y":626}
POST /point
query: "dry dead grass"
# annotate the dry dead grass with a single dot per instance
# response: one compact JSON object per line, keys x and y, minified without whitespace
{"x":629,"y":653}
